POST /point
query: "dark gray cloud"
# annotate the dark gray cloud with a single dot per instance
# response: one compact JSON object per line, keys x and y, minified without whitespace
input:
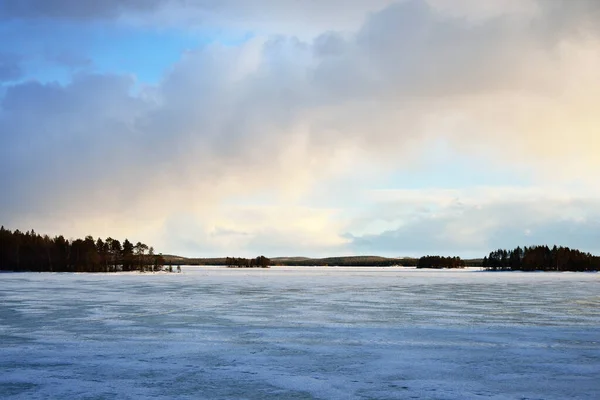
{"x":61,"y":142}
{"x":242,"y":14}
{"x":560,"y":14}
{"x":578,"y":16}
{"x":73,"y":9}
{"x":69,"y":59}
{"x":10,"y":67}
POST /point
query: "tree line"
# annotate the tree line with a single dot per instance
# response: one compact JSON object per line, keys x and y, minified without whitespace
{"x":440,"y":262}
{"x":541,"y":258}
{"x":30,"y":251}
{"x":258,"y":262}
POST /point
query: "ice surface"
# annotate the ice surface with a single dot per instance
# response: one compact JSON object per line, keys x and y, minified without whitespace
{"x":300,"y":333}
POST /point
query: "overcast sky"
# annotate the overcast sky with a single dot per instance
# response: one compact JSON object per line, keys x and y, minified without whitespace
{"x":314,"y":127}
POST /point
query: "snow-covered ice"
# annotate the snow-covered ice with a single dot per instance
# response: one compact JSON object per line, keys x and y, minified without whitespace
{"x":300,"y":333}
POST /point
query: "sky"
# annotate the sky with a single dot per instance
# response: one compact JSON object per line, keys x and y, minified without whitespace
{"x":303,"y":128}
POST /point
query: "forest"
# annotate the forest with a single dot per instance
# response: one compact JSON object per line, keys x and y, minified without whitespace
{"x":258,"y":262}
{"x":541,"y":258}
{"x":440,"y":262}
{"x":30,"y":251}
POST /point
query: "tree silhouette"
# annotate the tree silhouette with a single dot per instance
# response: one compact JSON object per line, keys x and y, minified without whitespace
{"x":33,"y":252}
{"x":541,"y":258}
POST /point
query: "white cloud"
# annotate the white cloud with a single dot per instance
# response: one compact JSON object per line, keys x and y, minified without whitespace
{"x":244,"y":230}
{"x":474,"y":221}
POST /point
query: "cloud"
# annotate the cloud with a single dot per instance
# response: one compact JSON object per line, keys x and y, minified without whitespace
{"x":10,"y":67}
{"x":245,"y":230}
{"x":60,"y":143}
{"x":72,"y":8}
{"x":257,"y":16}
{"x":476,"y":221}
{"x":290,"y":16}
{"x":281,"y":112}
{"x":468,"y":222}
{"x":69,"y":59}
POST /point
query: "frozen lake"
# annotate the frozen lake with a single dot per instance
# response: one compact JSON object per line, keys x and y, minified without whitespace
{"x":300,"y":333}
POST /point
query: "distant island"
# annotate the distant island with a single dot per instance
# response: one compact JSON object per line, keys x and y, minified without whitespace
{"x":533,"y":258}
{"x":345,"y":261}
{"x":31,"y":251}
{"x":258,"y":262}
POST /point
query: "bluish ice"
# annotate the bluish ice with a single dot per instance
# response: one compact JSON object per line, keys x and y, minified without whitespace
{"x":300,"y":333}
